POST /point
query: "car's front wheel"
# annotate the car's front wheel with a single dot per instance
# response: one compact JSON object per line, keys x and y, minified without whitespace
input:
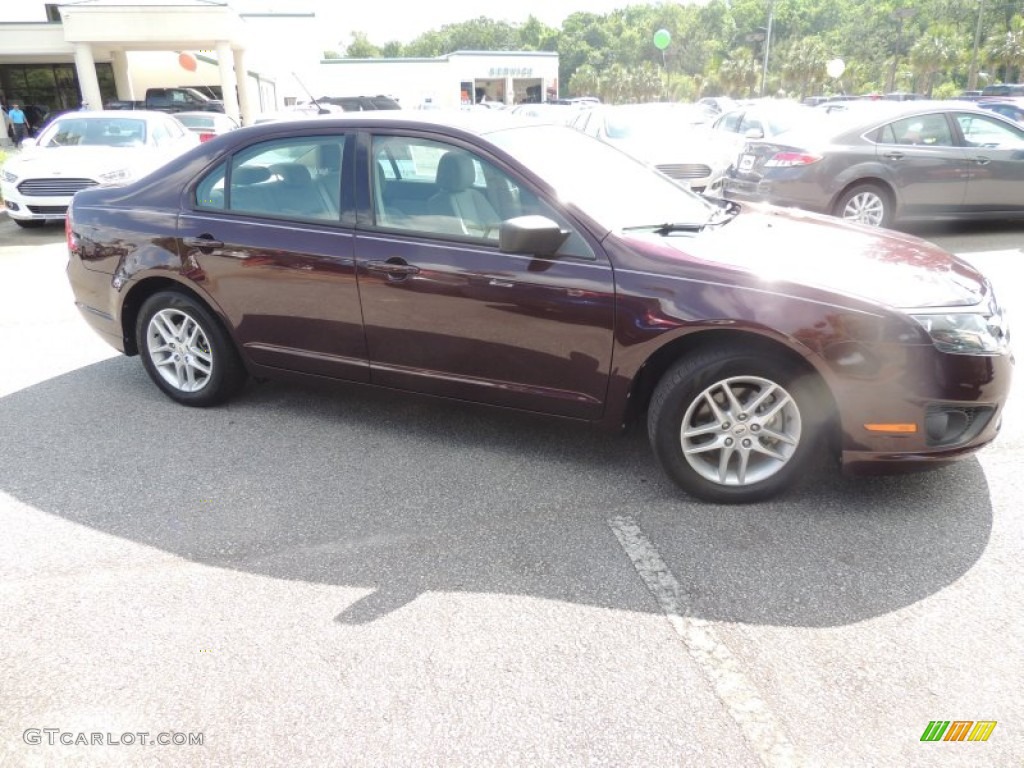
{"x":734,"y":426}
{"x":185,"y":350}
{"x":866,"y":204}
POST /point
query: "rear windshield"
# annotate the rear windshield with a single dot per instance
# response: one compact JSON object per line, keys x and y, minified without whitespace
{"x":195,"y":121}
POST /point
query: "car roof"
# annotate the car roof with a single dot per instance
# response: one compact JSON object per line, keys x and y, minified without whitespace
{"x":126,"y":114}
{"x":862,"y":117}
{"x":468,"y":121}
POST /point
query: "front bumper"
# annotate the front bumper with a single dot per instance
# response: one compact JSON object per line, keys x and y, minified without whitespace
{"x":953,"y":402}
{"x":30,"y":207}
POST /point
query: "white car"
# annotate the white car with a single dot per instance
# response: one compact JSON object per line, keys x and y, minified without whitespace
{"x":84,"y":149}
{"x":670,"y":137}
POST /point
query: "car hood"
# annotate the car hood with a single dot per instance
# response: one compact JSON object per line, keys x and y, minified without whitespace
{"x":881,"y":266}
{"x":79,"y":162}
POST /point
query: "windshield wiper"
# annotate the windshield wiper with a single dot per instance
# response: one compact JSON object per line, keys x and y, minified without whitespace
{"x":668,"y":227}
{"x":722,"y":214}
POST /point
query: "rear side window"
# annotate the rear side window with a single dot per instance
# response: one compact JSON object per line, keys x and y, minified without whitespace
{"x":285,"y":178}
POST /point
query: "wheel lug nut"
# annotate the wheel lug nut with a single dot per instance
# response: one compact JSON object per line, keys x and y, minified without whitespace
{"x":728,"y":441}
{"x":726,"y":425}
{"x":742,"y":417}
{"x":755,"y":427}
{"x":746,"y":443}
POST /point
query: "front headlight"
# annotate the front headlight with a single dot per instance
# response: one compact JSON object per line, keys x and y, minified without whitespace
{"x":121,"y":174}
{"x":7,"y":176}
{"x":968,"y":333}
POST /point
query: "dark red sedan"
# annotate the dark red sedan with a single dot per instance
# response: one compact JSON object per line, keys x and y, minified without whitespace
{"x":531,"y":267}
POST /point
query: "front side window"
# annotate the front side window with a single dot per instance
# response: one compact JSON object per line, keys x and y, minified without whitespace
{"x":982,"y":131}
{"x":439,"y":190}
{"x":289,"y":178}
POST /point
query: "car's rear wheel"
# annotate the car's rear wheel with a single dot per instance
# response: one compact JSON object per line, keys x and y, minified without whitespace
{"x":185,"y":350}
{"x":734,"y":426}
{"x":867,"y":204}
{"x":29,"y":223}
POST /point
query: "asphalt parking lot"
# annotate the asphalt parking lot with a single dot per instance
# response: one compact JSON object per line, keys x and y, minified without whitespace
{"x":352,"y":577}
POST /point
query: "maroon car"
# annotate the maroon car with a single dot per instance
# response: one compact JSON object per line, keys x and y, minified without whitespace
{"x":531,"y":267}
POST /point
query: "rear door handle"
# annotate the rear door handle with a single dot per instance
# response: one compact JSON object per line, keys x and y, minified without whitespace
{"x":203,"y":241}
{"x":893,"y":155}
{"x":392,"y":268}
{"x":982,"y":160}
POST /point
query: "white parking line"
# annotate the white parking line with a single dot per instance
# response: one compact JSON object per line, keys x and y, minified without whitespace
{"x":745,"y":706}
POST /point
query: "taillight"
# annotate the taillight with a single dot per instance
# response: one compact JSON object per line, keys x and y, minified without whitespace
{"x":206,"y":136}
{"x":69,"y":233}
{"x":790,"y":159}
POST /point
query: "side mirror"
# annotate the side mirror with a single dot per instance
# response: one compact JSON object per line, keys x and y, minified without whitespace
{"x":536,"y":235}
{"x":754,"y":133}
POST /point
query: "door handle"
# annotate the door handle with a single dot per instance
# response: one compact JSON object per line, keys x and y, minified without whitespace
{"x":893,"y":155}
{"x":982,"y":160}
{"x":392,"y":268}
{"x":203,"y":241}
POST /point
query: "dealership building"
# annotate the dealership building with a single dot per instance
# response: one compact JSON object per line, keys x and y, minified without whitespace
{"x":256,"y":57}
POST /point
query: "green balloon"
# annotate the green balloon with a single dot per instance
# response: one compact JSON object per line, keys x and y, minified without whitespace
{"x":661,"y":39}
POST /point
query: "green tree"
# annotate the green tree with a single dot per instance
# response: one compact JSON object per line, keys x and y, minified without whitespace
{"x":803,"y":65}
{"x":933,"y":55}
{"x":585,"y":82}
{"x":361,"y":47}
{"x":1007,"y":51}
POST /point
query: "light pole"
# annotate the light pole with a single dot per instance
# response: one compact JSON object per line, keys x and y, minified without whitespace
{"x":767,"y":46}
{"x":900,"y":14}
{"x":972,"y":80}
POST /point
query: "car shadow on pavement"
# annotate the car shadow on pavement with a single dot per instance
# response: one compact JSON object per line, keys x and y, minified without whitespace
{"x":401,"y":495}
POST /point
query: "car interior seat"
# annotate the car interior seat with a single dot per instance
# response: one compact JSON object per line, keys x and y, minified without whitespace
{"x":472,"y":211}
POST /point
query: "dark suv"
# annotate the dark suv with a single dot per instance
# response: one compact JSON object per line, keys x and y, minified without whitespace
{"x":361,"y":103}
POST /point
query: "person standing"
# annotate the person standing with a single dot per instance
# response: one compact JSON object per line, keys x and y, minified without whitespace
{"x":18,"y":121}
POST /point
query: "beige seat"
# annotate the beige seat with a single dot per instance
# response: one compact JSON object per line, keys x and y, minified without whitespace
{"x":472,"y":212}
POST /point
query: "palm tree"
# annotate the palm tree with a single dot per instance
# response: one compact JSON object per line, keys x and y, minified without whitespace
{"x":1008,"y":51}
{"x":585,"y":82}
{"x":804,"y":65}
{"x":737,"y":72}
{"x":933,"y":54}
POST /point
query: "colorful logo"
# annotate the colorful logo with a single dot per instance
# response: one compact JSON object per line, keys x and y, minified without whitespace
{"x":958,"y":730}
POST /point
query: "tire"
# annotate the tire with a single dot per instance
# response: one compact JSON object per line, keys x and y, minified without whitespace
{"x":765,"y":443}
{"x":867,"y":204}
{"x":29,"y":223}
{"x":186,"y":351}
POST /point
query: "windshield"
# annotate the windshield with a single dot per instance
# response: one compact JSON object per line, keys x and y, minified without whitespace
{"x":95,"y":132}
{"x":652,"y":121}
{"x":602,"y":181}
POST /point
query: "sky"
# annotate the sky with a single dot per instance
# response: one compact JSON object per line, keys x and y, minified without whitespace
{"x":405,"y":20}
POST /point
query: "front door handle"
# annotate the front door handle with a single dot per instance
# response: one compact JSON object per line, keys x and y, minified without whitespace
{"x":203,"y":241}
{"x":982,"y":160}
{"x":395,"y":268}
